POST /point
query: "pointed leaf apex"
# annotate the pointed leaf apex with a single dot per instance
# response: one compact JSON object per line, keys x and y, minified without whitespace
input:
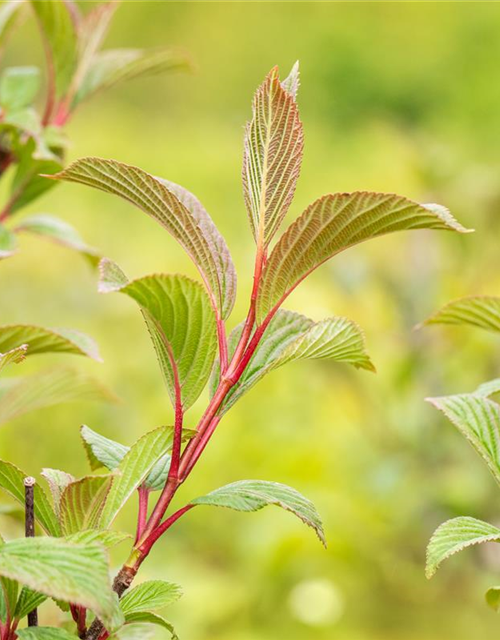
{"x":111,"y":277}
{"x":291,"y":83}
{"x":446,"y":216}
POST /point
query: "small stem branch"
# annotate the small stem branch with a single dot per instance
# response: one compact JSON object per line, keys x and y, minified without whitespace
{"x":142,"y":516}
{"x":29,"y":529}
{"x":222,"y":339}
{"x":160,"y":530}
{"x":198,"y":449}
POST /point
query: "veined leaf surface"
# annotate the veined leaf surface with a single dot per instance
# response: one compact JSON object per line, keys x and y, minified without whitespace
{"x":134,"y":469}
{"x":489,"y":388}
{"x":476,"y":311}
{"x":193,"y":229}
{"x":42,"y":340}
{"x":181,"y":323}
{"x":82,"y":503}
{"x":57,"y":481}
{"x":12,"y":481}
{"x":478,"y":419}
{"x":252,"y":495}
{"x":20,"y":395}
{"x":291,"y":336}
{"x":150,"y":596}
{"x":70,"y":572}
{"x":104,"y":452}
{"x":28,"y":600}
{"x":334,"y":223}
{"x":453,"y":536}
{"x":274,"y":142}
{"x":151,"y":618}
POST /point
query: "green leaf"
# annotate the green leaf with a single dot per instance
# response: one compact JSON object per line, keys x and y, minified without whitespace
{"x":334,"y":223}
{"x":12,"y":481}
{"x":8,"y":242}
{"x":59,"y":34}
{"x":181,"y":324}
{"x":108,"y":68}
{"x":57,"y":481}
{"x":82,"y":503}
{"x":30,"y":182}
{"x":453,"y":536}
{"x":223,"y":273}
{"x":45,"y":633}
{"x":18,"y":87}
{"x":136,"y":631}
{"x":489,"y":388}
{"x":20,"y":395}
{"x":291,"y":336}
{"x":188,"y":223}
{"x":252,"y":495}
{"x":105,"y":537}
{"x":274,"y":142}
{"x":60,"y":232}
{"x":478,"y":419}
{"x":493,"y":598}
{"x":150,"y":595}
{"x":28,"y":600}
{"x":152,"y":618}
{"x":13,"y":356}
{"x":476,"y":311}
{"x":64,"y":570}
{"x":133,"y":470}
{"x":291,"y":83}
{"x":102,"y":451}
{"x":42,"y":340}
{"x":8,"y":598}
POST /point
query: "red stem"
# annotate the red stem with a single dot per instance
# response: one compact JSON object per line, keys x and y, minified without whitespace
{"x":145,"y":547}
{"x":143,"y":510}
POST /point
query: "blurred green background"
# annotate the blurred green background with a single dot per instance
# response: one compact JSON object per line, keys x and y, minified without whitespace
{"x":399,"y":97}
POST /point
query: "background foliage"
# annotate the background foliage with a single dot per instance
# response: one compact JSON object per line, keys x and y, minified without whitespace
{"x":395,"y":97}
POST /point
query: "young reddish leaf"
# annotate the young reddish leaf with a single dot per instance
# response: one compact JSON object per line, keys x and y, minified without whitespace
{"x":252,"y":495}
{"x":58,"y":30}
{"x":82,"y":503}
{"x":190,"y":225}
{"x":454,"y":536}
{"x":181,"y":323}
{"x":274,"y":143}
{"x":476,"y":311}
{"x":42,"y":340}
{"x":334,"y":223}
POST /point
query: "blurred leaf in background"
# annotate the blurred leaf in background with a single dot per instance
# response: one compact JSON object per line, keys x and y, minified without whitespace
{"x":401,"y":97}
